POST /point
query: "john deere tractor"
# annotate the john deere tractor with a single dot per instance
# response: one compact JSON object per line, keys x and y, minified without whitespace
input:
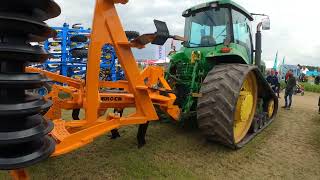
{"x":217,"y":75}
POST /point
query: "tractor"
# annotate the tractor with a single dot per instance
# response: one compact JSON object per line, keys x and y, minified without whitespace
{"x":215,"y":76}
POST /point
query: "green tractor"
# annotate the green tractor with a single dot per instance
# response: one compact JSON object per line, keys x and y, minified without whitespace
{"x":218,"y":77}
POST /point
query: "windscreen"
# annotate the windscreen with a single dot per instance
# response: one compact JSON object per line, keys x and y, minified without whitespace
{"x":207,"y":28}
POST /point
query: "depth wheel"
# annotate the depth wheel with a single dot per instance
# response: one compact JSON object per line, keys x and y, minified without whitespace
{"x":228,"y":103}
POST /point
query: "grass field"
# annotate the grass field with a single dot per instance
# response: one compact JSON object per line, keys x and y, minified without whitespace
{"x":311,"y":87}
{"x":288,"y":149}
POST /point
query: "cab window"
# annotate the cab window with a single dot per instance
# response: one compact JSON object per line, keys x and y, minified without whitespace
{"x":242,"y":32}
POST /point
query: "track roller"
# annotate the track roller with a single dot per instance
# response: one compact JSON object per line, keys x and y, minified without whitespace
{"x":23,"y":130}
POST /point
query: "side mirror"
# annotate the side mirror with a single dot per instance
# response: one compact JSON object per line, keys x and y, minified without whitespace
{"x":266,"y":23}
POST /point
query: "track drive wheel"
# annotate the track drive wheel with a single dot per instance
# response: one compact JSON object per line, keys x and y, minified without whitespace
{"x":228,"y":103}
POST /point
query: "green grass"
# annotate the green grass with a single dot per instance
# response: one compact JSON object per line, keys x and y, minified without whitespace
{"x":282,"y":84}
{"x":308,"y":87}
{"x":311,"y":87}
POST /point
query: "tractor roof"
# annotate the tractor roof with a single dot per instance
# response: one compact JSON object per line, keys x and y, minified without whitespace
{"x":228,"y":3}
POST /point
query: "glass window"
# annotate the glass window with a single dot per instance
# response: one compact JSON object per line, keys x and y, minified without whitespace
{"x":241,"y":31}
{"x":207,"y":28}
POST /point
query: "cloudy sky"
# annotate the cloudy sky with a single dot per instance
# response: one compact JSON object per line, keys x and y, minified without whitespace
{"x":294,"y":32}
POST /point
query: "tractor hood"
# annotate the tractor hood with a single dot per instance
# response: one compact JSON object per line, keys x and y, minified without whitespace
{"x":185,"y":54}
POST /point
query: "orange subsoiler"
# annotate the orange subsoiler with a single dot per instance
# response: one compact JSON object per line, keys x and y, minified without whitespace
{"x":142,"y":90}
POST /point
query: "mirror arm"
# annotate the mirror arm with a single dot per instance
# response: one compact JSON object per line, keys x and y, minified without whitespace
{"x":179,"y":38}
{"x":259,"y":27}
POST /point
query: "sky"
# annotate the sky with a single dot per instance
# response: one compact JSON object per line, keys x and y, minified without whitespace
{"x":294,"y":26}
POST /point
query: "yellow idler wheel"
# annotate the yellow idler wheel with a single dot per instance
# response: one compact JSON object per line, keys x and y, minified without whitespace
{"x":270,"y":108}
{"x":246,"y":107}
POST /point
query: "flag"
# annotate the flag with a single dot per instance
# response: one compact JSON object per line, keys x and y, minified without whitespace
{"x":275,"y":65}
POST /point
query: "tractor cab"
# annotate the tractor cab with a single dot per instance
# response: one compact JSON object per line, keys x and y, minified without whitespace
{"x":220,"y":24}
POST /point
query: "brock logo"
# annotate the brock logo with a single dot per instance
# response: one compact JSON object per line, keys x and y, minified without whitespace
{"x":111,"y":99}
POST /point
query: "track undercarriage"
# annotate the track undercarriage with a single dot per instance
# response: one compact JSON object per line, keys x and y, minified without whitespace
{"x":222,"y":103}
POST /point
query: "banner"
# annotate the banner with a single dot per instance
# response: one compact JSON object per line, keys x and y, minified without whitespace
{"x":161,"y":53}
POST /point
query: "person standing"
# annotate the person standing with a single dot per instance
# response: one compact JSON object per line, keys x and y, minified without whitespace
{"x":287,"y":76}
{"x":272,"y":79}
{"x":269,"y":77}
{"x":278,"y":86}
{"x":291,"y":84}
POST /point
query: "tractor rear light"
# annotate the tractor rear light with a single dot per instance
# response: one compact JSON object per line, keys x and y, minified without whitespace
{"x":225,"y":50}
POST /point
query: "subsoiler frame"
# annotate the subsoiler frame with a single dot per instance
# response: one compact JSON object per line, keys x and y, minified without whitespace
{"x":143,"y":89}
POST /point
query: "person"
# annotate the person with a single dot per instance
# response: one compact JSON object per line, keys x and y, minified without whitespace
{"x":303,"y":74}
{"x":305,"y":70}
{"x":173,"y":51}
{"x":278,"y":85}
{"x":291,"y":84}
{"x":287,"y":75}
{"x":299,"y":69}
{"x":269,"y":77}
{"x":272,"y":79}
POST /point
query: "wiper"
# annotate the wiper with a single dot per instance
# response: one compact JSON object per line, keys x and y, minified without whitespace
{"x":189,"y":43}
{"x":221,"y":32}
{"x":210,"y":18}
{"x":193,"y":43}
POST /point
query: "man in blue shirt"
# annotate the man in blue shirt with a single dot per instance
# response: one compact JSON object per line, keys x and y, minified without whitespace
{"x":273,"y":80}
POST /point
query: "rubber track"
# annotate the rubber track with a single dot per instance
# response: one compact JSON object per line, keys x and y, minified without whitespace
{"x":216,"y":107}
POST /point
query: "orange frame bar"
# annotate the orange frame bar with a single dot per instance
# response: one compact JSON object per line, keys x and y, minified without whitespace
{"x":107,"y":28}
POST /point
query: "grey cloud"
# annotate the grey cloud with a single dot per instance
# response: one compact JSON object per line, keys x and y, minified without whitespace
{"x":292,"y":34}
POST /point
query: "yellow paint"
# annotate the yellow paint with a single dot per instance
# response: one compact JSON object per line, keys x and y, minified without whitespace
{"x":195,"y":56}
{"x":270,"y":108}
{"x":246,"y":107}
